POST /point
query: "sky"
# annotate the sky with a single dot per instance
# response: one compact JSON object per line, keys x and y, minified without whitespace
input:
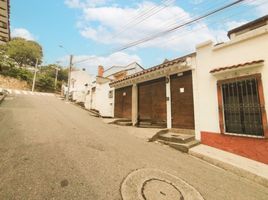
{"x":94,"y":30}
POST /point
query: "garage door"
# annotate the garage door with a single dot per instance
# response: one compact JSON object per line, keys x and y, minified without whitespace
{"x":182,"y":104}
{"x":152,"y":101}
{"x":123,"y":105}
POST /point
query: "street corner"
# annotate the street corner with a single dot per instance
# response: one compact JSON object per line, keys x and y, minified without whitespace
{"x":153,"y":184}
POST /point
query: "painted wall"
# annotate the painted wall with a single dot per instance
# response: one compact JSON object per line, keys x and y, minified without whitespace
{"x":100,"y":100}
{"x":247,"y":47}
{"x":78,"y":81}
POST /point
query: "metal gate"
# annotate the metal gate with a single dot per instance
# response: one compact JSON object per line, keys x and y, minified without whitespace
{"x":242,"y":109}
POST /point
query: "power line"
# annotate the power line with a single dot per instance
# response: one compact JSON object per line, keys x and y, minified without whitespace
{"x":181,"y":26}
{"x":144,"y":17}
{"x":162,"y":33}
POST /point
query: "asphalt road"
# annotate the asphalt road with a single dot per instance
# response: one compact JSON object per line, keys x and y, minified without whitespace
{"x":53,"y":150}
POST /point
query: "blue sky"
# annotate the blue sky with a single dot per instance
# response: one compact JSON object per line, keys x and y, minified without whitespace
{"x":93,"y":29}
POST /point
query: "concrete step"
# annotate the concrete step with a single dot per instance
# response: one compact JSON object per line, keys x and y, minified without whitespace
{"x":177,"y":138}
{"x":149,"y":124}
{"x":94,"y":113}
{"x":124,"y":123}
{"x":183,"y":147}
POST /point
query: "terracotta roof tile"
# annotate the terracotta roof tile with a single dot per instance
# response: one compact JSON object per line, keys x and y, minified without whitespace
{"x":155,"y":68}
{"x":236,"y":66}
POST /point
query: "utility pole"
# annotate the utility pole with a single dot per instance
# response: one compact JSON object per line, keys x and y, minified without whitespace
{"x":56,"y":76}
{"x":35,"y":71}
{"x":69,"y":77}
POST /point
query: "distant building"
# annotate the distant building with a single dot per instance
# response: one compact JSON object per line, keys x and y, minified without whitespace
{"x":101,"y":97}
{"x":4,"y":21}
{"x":80,"y":84}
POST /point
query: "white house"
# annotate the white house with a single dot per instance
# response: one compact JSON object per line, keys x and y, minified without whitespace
{"x":232,"y":92}
{"x":101,"y":95}
{"x":80,"y":84}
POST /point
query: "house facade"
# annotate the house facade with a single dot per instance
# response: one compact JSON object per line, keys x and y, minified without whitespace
{"x":232,"y":92}
{"x":4,"y":21}
{"x":159,"y":96}
{"x":79,"y":85}
{"x":220,"y":93}
{"x":101,"y":96}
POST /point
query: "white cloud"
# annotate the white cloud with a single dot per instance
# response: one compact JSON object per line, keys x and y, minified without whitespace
{"x":84,"y":4}
{"x":233,"y":24}
{"x":23,"y":33}
{"x":93,"y":62}
{"x":107,"y":25}
{"x":260,"y":6}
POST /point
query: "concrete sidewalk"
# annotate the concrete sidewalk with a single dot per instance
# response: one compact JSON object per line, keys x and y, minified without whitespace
{"x":239,"y":165}
{"x":142,"y":133}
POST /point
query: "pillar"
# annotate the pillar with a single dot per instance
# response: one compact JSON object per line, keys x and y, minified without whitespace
{"x":168,"y":102}
{"x":134,"y":105}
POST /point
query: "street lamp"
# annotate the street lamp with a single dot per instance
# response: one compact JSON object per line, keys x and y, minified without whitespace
{"x":69,"y":74}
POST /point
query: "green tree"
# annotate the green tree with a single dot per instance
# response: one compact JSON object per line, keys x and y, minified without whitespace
{"x":5,"y":61}
{"x":24,"y":52}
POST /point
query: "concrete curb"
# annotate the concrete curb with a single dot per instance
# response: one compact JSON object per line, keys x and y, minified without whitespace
{"x":2,"y":97}
{"x":232,"y":168}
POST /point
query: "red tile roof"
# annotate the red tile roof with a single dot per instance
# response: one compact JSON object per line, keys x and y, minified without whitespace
{"x":236,"y":66}
{"x":155,"y":68}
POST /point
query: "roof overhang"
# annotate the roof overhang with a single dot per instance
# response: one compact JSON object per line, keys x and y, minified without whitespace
{"x":237,"y":67}
{"x":148,"y":76}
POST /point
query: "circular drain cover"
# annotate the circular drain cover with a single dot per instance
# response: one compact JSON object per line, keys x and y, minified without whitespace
{"x":153,"y":184}
{"x":160,"y":189}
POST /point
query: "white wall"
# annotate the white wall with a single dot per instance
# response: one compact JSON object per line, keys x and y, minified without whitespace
{"x":100,"y":99}
{"x":78,"y":81}
{"x":244,"y":48}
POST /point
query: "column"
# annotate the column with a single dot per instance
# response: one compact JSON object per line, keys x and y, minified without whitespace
{"x":168,"y":100}
{"x":134,"y":104}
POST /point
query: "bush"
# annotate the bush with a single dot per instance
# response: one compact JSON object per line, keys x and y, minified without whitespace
{"x":19,"y":73}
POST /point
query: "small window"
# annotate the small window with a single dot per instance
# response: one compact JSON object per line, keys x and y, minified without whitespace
{"x":111,"y":93}
{"x":242,"y":110}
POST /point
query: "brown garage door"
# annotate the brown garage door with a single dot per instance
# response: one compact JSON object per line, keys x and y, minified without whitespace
{"x":123,"y":105}
{"x":182,"y":104}
{"x":152,"y":101}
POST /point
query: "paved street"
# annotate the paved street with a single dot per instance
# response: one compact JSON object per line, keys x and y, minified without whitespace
{"x":53,"y":150}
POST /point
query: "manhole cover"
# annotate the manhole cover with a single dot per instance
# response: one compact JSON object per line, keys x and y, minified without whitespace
{"x":155,"y":189}
{"x":153,"y":184}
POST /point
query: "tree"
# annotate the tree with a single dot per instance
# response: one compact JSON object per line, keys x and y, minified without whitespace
{"x":5,"y":61}
{"x":24,"y":52}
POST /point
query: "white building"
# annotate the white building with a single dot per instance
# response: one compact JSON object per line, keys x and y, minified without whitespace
{"x":80,"y":84}
{"x":232,"y":92}
{"x":101,"y":95}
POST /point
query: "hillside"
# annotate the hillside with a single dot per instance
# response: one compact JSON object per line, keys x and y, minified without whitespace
{"x":12,"y":83}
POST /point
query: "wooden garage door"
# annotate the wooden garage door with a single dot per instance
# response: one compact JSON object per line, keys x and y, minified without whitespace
{"x":123,"y":102}
{"x":182,"y":104}
{"x":152,"y":101}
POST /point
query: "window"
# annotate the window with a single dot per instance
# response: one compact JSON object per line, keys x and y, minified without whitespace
{"x":241,"y":106}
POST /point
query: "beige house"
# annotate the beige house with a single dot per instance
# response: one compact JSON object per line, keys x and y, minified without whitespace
{"x":232,"y":92}
{"x":4,"y":21}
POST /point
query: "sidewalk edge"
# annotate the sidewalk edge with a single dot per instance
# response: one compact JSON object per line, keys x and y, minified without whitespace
{"x":229,"y":167}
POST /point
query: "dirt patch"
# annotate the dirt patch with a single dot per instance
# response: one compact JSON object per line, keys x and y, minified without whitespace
{"x":12,"y":83}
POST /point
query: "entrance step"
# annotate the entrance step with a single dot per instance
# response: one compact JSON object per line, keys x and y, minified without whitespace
{"x":149,"y":124}
{"x":183,"y":147}
{"x":94,"y":113}
{"x":177,"y":138}
{"x":180,"y":139}
{"x":123,"y":122}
